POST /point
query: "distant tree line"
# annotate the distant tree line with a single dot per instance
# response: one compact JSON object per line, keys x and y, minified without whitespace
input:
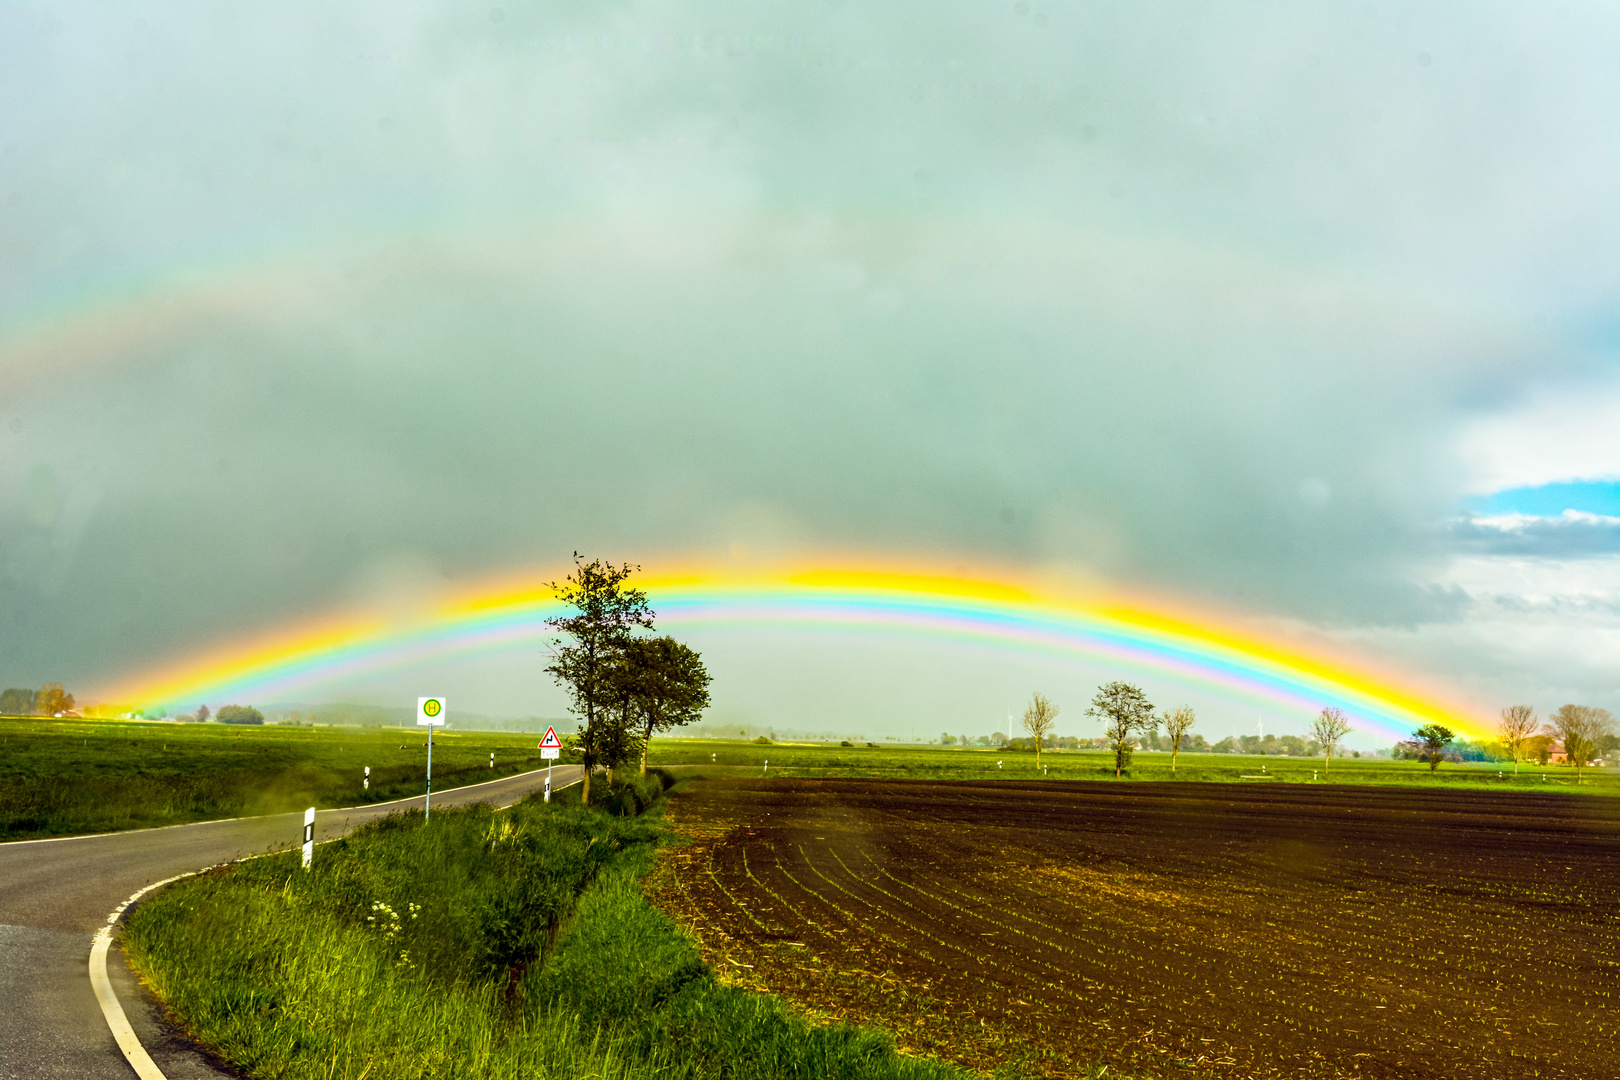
{"x":1130,"y":723}
{"x":623,"y":683}
{"x":48,"y":700}
{"x":1576,"y":735}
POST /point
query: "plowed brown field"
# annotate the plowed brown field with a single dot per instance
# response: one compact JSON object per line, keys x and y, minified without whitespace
{"x":1295,"y":930}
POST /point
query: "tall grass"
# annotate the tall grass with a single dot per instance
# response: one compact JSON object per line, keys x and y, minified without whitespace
{"x":480,"y":944}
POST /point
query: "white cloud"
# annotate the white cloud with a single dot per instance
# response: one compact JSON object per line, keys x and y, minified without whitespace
{"x":1571,"y":432}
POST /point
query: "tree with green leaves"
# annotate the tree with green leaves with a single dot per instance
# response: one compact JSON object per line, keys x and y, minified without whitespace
{"x":1124,"y":710}
{"x":1581,"y":728}
{"x":668,"y":686}
{"x":1039,"y":717}
{"x":1433,"y":740}
{"x":239,"y":714}
{"x":1176,"y":726}
{"x":1515,"y":729}
{"x":1329,"y":729}
{"x":603,"y":615}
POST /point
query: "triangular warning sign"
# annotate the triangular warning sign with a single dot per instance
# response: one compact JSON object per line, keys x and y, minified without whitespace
{"x":551,"y":742}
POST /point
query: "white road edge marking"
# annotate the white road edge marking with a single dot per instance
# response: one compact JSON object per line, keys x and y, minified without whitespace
{"x":134,"y":1052}
{"x":113,"y":1012}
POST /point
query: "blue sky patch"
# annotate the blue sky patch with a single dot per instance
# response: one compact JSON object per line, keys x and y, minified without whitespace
{"x":1551,"y":500}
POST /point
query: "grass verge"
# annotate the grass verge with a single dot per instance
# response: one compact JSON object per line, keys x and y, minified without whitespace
{"x":480,"y":944}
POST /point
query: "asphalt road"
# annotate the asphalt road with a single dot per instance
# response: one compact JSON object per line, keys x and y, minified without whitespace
{"x":55,"y":894}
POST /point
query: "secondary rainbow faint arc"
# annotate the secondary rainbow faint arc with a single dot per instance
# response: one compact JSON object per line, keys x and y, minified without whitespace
{"x":939,"y":607}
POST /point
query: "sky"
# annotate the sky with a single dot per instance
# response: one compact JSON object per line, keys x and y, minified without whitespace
{"x":1303,"y":313}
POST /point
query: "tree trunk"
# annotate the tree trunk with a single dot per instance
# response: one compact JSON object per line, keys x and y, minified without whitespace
{"x":585,"y":755}
{"x":644,"y":744}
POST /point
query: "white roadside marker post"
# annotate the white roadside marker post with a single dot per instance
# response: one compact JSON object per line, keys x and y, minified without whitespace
{"x":429,"y":714}
{"x":767,"y":764}
{"x":309,"y":836}
{"x":492,"y":759}
{"x":366,"y":783}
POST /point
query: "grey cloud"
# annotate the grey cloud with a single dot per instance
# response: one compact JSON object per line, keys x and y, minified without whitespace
{"x":1574,"y":537}
{"x":337,"y":303}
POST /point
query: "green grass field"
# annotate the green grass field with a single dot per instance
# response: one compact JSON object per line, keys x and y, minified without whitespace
{"x":66,"y":777}
{"x":955,"y":763}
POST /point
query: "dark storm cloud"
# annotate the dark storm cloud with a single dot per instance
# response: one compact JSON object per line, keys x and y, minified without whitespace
{"x":412,"y":295}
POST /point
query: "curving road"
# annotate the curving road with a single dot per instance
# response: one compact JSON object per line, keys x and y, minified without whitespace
{"x":55,"y":895}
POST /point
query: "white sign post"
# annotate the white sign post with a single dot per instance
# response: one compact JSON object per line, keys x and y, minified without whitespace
{"x":309,"y":836}
{"x":550,"y":747}
{"x":366,"y":783}
{"x":429,"y":714}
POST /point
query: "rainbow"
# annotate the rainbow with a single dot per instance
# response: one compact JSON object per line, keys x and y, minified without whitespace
{"x":511,"y":614}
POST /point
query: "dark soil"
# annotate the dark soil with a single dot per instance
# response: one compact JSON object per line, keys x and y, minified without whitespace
{"x":1173,"y":929}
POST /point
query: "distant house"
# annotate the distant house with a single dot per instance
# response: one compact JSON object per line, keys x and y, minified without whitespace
{"x":1557,"y":755}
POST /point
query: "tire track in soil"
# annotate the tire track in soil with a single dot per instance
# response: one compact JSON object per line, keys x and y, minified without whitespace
{"x":1256,"y":932}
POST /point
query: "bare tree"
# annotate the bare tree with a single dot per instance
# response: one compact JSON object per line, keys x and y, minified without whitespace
{"x":1038,"y":720}
{"x":1518,"y":724}
{"x":1123,"y":709}
{"x":1580,"y":728}
{"x":1329,"y":729}
{"x":1176,"y":726}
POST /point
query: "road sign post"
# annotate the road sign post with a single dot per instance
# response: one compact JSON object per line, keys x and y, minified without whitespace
{"x":429,"y":714}
{"x":550,"y":747}
{"x":309,"y":836}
